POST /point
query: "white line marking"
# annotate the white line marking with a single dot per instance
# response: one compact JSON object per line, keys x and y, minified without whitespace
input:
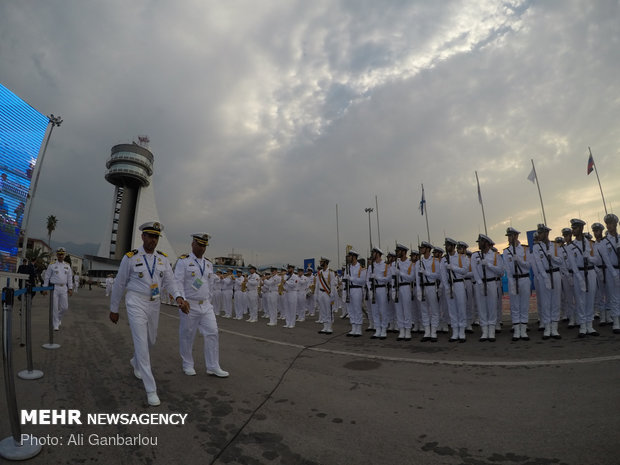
{"x":423,"y":360}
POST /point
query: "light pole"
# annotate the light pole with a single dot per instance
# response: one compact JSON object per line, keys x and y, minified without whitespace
{"x":369,"y":210}
{"x":54,"y":121}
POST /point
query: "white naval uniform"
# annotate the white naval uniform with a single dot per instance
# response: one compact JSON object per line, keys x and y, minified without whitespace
{"x":326,"y":289}
{"x":602,"y":299}
{"x":567,"y":300}
{"x":60,"y":275}
{"x":251,"y":294}
{"x":302,"y":287}
{"x":109,"y":282}
{"x":452,"y":280}
{"x":193,"y":276}
{"x":610,"y":252}
{"x":517,"y":269}
{"x":239,"y":299}
{"x":382,"y":275}
{"x":427,"y":273}
{"x":356,"y":274}
{"x":227,"y":284}
{"x":290,"y":302}
{"x":76,"y":283}
{"x":405,"y":274}
{"x":487,"y":269}
{"x":143,"y":275}
{"x":583,"y":260}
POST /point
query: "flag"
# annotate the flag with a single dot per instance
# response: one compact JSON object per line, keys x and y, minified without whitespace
{"x":422,"y":202}
{"x":532,"y":175}
{"x":479,"y":193}
{"x":590,"y":164}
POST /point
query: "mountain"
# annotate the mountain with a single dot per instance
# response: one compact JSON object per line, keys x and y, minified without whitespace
{"x":77,"y":249}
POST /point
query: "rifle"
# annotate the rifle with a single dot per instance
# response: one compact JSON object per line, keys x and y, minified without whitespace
{"x":421,"y":275}
{"x":551,"y":269}
{"x":373,"y":283}
{"x":450,"y":276}
{"x":514,"y":260}
{"x":484,"y":272}
{"x":585,"y":263}
{"x":347,"y":285}
{"x":396,"y":281}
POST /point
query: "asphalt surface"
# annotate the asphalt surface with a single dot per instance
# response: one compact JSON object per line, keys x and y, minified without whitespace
{"x":297,"y":397}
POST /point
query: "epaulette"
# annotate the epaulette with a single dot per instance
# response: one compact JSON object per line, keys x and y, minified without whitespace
{"x":132,"y":253}
{"x":185,"y":255}
{"x":161,"y":253}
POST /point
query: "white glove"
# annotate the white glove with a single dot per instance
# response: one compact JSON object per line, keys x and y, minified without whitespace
{"x":512,"y":288}
{"x":582,"y":284}
{"x":548,"y":282}
{"x":419,"y":295}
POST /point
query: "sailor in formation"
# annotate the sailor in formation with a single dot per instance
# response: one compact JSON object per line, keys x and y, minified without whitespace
{"x":610,"y":252}
{"x":192,"y":272}
{"x":326,"y":285}
{"x":517,"y":268}
{"x":251,"y":287}
{"x":427,"y":275}
{"x":601,"y":301}
{"x":380,"y":278}
{"x":582,"y":261}
{"x":404,"y":277}
{"x":453,"y":271}
{"x":355,"y":280}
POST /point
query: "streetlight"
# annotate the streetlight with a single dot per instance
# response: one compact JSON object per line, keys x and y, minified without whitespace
{"x":369,"y":210}
{"x":53,"y":121}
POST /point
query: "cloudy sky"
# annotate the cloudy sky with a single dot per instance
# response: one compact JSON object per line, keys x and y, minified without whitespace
{"x":263,"y":116}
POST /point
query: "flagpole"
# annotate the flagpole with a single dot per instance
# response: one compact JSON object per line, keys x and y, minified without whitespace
{"x":481,"y":204}
{"x":599,"y":181}
{"x":425,"y":213}
{"x":337,"y":239}
{"x":378,"y":228}
{"x":539,"y":194}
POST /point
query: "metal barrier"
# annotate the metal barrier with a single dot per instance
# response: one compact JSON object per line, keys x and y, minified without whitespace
{"x":13,"y":447}
{"x":50,"y":344}
{"x":29,"y":372}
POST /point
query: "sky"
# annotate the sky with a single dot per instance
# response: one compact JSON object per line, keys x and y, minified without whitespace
{"x":268,"y":118}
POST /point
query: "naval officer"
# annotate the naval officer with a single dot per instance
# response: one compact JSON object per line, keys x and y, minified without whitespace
{"x":192,"y":273}
{"x":60,"y":275}
{"x":142,"y":273}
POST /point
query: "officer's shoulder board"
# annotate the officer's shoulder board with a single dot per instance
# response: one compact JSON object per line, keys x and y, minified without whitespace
{"x":131,"y":253}
{"x":161,"y":253}
{"x":185,"y":255}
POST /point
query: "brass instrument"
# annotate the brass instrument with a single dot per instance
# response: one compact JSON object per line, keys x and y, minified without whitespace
{"x":281,"y":286}
{"x":244,"y":284}
{"x":348,"y":284}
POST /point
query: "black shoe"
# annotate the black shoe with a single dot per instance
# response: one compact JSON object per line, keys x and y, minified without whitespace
{"x":321,"y":332}
{"x":616,"y":331}
{"x":525,"y":338}
{"x":425,"y":339}
{"x":406,"y":339}
{"x":349,"y":335}
{"x":433,"y":339}
{"x":452,"y":339}
{"x":514,"y":339}
{"x":374,"y":337}
{"x":400,"y":338}
{"x":357,"y":335}
{"x":557,"y":336}
{"x":491,"y":339}
{"x":483,"y":339}
{"x":461,"y":341}
{"x":382,"y":338}
{"x":545,"y":338}
{"x":593,"y":333}
{"x":581,"y":335}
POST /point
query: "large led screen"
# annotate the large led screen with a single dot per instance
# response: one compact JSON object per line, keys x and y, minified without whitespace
{"x":22,"y":129}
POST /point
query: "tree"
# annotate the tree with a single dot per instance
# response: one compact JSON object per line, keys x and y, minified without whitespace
{"x":39,"y":258}
{"x":51,"y":226}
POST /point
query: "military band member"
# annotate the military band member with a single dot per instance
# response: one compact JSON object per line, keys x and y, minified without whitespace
{"x":355,"y":274}
{"x":109,"y":282}
{"x":453,"y":271}
{"x":326,"y":284}
{"x":251,"y":287}
{"x":192,"y":272}
{"x":461,"y":248}
{"x":567,"y":302}
{"x":216,"y":290}
{"x":444,"y":318}
{"x":487,"y":268}
{"x":583,"y":260}
{"x":240,"y":304}
{"x":302,"y":287}
{"x":310,"y":293}
{"x":227,"y":284}
{"x":517,"y":269}
{"x":142,"y":273}
{"x":611,"y":256}
{"x":270,"y":292}
{"x":289,"y":286}
{"x":416,"y":313}
{"x":60,"y":275}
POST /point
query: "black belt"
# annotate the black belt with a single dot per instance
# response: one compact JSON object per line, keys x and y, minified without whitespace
{"x":404,"y":284}
{"x":353,"y":286}
{"x":581,"y":268}
{"x":488,"y":280}
{"x":428,"y":284}
{"x":553,"y":270}
{"x":525,"y":275}
{"x":457,"y":280}
{"x":379,"y":285}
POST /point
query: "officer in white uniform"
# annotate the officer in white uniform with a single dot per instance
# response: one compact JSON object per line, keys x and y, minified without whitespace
{"x":60,"y":275}
{"x":109,"y":282}
{"x":251,"y":287}
{"x":517,"y":269}
{"x":427,"y":274}
{"x":404,"y":278}
{"x":567,"y":301}
{"x":602,"y":300}
{"x":142,"y":273}
{"x":192,"y":272}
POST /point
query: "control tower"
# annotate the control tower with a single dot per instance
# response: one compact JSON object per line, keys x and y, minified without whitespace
{"x":129,"y":169}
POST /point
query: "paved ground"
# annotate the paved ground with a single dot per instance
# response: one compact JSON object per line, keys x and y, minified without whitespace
{"x":297,"y":397}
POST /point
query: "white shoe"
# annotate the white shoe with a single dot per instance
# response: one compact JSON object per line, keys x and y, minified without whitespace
{"x":272,"y":324}
{"x":218,"y":372}
{"x":136,"y":372}
{"x":153,"y":399}
{"x":189,"y":371}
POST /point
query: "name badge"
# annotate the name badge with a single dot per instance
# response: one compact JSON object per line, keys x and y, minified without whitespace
{"x":154,"y":291}
{"x":197,"y":284}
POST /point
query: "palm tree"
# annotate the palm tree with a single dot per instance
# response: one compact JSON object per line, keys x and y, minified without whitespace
{"x":39,"y":258}
{"x":51,"y":226}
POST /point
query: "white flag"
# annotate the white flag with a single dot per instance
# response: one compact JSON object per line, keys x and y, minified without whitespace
{"x":532,"y":175}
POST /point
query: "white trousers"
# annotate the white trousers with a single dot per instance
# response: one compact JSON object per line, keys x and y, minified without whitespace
{"x":60,"y":304}
{"x":200,"y":318}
